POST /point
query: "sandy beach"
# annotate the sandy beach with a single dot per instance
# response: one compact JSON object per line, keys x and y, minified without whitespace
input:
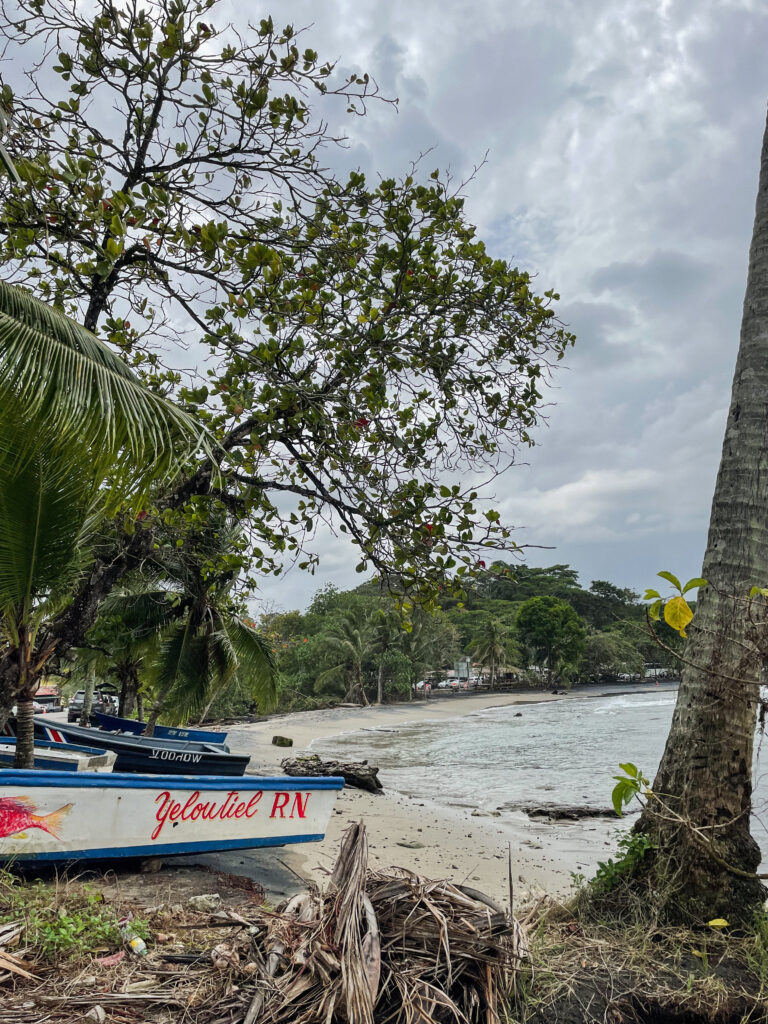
{"x":463,"y":843}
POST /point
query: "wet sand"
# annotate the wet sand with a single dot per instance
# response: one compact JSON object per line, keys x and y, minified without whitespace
{"x":458,"y":842}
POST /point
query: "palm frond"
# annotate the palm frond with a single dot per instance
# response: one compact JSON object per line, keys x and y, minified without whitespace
{"x":47,"y":519}
{"x":256,"y":664}
{"x":73,"y":385}
{"x":144,"y":612}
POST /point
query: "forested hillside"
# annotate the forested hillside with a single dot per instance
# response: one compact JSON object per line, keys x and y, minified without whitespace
{"x":538,"y":625}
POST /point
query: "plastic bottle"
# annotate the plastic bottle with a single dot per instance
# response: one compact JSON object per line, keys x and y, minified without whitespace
{"x":134,"y":942}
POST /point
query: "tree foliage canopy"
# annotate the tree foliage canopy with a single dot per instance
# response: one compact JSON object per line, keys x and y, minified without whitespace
{"x":364,"y":347}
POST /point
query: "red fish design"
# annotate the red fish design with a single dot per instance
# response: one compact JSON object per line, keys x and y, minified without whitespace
{"x":17,"y":815}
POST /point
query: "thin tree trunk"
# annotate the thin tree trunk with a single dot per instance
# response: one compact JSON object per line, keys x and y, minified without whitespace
{"x":380,"y":684}
{"x":90,"y":685}
{"x":705,"y":774}
{"x":140,"y":705}
{"x":129,"y":685}
{"x":157,"y":709}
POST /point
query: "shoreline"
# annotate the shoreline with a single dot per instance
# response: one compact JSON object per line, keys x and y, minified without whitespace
{"x":464,"y":843}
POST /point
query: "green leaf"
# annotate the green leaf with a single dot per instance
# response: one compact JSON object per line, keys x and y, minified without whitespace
{"x":718,"y":922}
{"x":655,"y":610}
{"x":759,"y":591}
{"x":649,"y":594}
{"x":671,"y":578}
{"x":630,"y":769}
{"x":697,"y":581}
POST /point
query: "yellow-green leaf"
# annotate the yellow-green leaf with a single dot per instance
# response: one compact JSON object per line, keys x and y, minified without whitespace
{"x":677,"y":614}
{"x":718,"y":922}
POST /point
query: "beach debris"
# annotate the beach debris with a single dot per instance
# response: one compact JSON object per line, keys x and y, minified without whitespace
{"x":134,"y":942}
{"x":113,"y":960}
{"x":372,"y":947}
{"x":206,"y":903}
{"x":387,"y":946}
{"x":358,"y":774}
{"x":282,"y":741}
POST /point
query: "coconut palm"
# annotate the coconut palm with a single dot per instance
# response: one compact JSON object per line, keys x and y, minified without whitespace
{"x":490,"y":647}
{"x":386,"y":632}
{"x":349,"y":641}
{"x":49,"y":509}
{"x":201,"y":642}
{"x":70,"y":412}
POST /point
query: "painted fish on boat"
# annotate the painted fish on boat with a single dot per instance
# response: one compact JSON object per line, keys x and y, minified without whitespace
{"x":17,"y":817}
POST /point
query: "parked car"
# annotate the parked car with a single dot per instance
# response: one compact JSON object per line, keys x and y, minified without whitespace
{"x":37,"y":707}
{"x":103,"y":702}
{"x":444,"y":684}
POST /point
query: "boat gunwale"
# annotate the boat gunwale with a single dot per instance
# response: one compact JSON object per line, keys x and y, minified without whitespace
{"x":137,"y":780}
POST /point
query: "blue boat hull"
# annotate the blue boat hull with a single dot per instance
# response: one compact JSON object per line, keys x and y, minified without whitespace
{"x":145,"y":754}
{"x":111,"y":723}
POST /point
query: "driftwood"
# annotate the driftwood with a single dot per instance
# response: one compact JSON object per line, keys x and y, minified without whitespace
{"x":358,"y":774}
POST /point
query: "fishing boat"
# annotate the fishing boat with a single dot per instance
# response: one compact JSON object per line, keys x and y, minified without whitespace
{"x":111,"y":723}
{"x":145,"y":753}
{"x":60,"y":757}
{"x":63,"y":816}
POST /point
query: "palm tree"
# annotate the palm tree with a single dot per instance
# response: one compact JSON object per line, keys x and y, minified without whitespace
{"x":706,"y":770}
{"x":71,"y":412}
{"x":387,"y":630}
{"x":490,"y":646}
{"x":202,"y":644}
{"x":349,"y":641}
{"x":49,"y":508}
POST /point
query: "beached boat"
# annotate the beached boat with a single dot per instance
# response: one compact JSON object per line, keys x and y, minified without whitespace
{"x":60,"y":757}
{"x":145,"y":753}
{"x":111,"y":723}
{"x":62,"y":816}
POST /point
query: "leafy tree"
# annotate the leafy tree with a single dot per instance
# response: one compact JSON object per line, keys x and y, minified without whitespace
{"x":363,"y":344}
{"x":608,"y":652}
{"x":387,"y":629}
{"x":704,"y":845}
{"x":552,"y":630}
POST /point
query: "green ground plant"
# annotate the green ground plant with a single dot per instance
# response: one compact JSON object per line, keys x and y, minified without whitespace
{"x":63,"y":920}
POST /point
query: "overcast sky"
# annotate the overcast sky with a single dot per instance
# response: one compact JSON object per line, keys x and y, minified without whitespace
{"x":623,"y":142}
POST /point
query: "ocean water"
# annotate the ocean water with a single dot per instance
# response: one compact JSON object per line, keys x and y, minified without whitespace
{"x":563,"y":752}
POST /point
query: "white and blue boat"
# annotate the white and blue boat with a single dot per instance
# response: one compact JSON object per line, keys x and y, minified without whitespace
{"x":59,"y":757}
{"x":112,"y":723}
{"x":53,"y":817}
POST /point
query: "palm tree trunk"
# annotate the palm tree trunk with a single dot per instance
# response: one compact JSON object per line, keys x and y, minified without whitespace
{"x":705,"y":774}
{"x":25,"y":733}
{"x":380,"y":684}
{"x":139,"y":705}
{"x":90,"y":685}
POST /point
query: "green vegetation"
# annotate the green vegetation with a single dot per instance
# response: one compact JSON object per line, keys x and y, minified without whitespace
{"x":66,"y":921}
{"x":523,"y":625}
